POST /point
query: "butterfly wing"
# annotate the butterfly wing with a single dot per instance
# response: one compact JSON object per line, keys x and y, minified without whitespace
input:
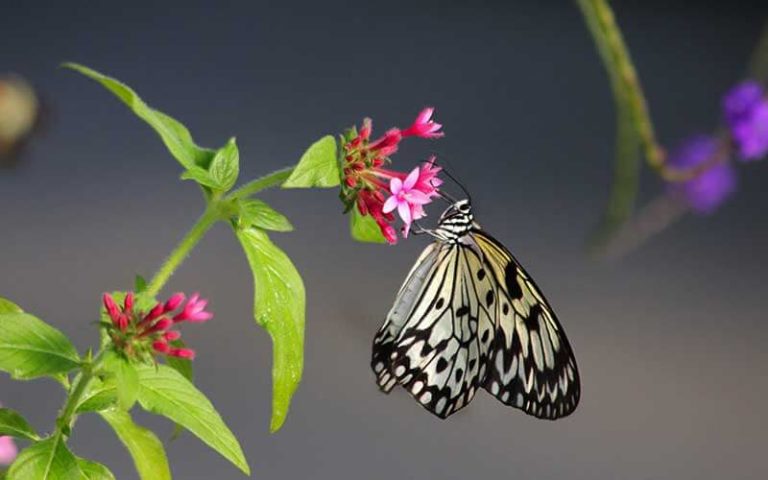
{"x":435,"y":345}
{"x":531,"y":365}
{"x":407,"y":296}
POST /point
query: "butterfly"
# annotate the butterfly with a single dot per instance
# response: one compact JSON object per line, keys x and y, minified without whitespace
{"x":469,"y":317}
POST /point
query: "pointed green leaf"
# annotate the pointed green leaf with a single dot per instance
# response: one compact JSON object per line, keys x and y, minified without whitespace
{"x":126,"y":379}
{"x":225,"y":166}
{"x":255,"y":213}
{"x":143,"y":445}
{"x":7,"y":306}
{"x":278,"y":306}
{"x":181,"y":365}
{"x":49,"y":459}
{"x":318,"y":167}
{"x":99,"y":395}
{"x":201,"y":176}
{"x":166,"y":392}
{"x":139,"y":284}
{"x":94,"y":471}
{"x":31,"y":348}
{"x":175,"y":135}
{"x":184,"y":367}
{"x":13,"y":424}
{"x":364,"y":228}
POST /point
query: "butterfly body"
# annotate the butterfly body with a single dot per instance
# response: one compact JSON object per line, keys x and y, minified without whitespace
{"x":468,"y":317}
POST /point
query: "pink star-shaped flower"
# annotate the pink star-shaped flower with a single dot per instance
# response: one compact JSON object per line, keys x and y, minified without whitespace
{"x":407,"y":199}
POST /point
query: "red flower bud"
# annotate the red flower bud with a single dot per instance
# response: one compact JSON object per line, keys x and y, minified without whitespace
{"x":186,"y":353}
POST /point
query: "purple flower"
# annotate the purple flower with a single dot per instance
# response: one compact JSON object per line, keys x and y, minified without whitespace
{"x":705,"y":192}
{"x":746,"y":113}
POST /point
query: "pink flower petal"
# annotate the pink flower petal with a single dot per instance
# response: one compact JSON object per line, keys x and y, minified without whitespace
{"x":410,"y":180}
{"x":405,"y":212}
{"x":417,"y":197}
{"x":8,"y":450}
{"x":395,"y":185}
{"x":418,"y":212}
{"x":425,"y":115}
{"x":390,"y":204}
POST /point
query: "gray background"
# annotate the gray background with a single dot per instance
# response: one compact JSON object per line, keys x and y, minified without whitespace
{"x":670,"y":341}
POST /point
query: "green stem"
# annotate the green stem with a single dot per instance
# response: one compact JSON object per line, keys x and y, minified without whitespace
{"x":624,"y":187}
{"x":610,"y":43}
{"x":206,"y":221}
{"x":758,"y":64}
{"x":67,"y":417}
{"x":267,"y":181}
{"x":626,"y":92}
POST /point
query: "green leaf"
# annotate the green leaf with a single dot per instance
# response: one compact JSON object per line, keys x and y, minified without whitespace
{"x":225,"y":166}
{"x":94,"y":471}
{"x":318,"y":167}
{"x":13,"y":424}
{"x":255,"y":213}
{"x":201,"y":176}
{"x":31,"y":348}
{"x":184,"y":367}
{"x":126,"y":379}
{"x":49,"y":459}
{"x":7,"y":306}
{"x":166,"y":392}
{"x":181,"y":365}
{"x":279,"y":307}
{"x":139,"y":284}
{"x":143,"y":445}
{"x":364,"y":228}
{"x":175,"y":135}
{"x":99,"y":395}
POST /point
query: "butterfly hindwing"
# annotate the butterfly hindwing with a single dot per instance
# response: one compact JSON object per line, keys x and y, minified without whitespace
{"x":531,"y":364}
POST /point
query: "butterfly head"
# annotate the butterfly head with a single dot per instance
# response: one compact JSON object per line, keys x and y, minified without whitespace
{"x":456,"y":221}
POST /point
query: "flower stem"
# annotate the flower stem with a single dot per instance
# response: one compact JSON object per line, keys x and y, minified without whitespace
{"x":67,"y":417}
{"x":267,"y":181}
{"x":625,"y":82}
{"x":203,"y":224}
{"x":758,"y":64}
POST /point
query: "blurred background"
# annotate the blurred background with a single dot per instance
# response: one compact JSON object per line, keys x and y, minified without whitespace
{"x":670,"y":340}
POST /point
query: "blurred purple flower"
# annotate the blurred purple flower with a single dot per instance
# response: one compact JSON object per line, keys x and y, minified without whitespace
{"x":746,"y":112}
{"x":705,"y":192}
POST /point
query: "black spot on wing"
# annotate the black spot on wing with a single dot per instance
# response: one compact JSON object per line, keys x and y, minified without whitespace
{"x":510,"y":279}
{"x":442,"y":364}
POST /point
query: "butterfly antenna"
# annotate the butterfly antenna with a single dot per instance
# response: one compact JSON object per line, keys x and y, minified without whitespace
{"x":446,"y":197}
{"x":461,"y":185}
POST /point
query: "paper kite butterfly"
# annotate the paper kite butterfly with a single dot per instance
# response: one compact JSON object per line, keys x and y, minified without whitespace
{"x":469,"y":317}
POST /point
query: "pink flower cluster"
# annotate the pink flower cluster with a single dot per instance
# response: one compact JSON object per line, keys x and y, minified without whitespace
{"x":138,"y":333}
{"x":367,"y":183}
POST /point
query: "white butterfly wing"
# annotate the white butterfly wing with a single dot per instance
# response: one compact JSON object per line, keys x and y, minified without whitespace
{"x":440,"y":351}
{"x":407,"y":296}
{"x":531,"y":364}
